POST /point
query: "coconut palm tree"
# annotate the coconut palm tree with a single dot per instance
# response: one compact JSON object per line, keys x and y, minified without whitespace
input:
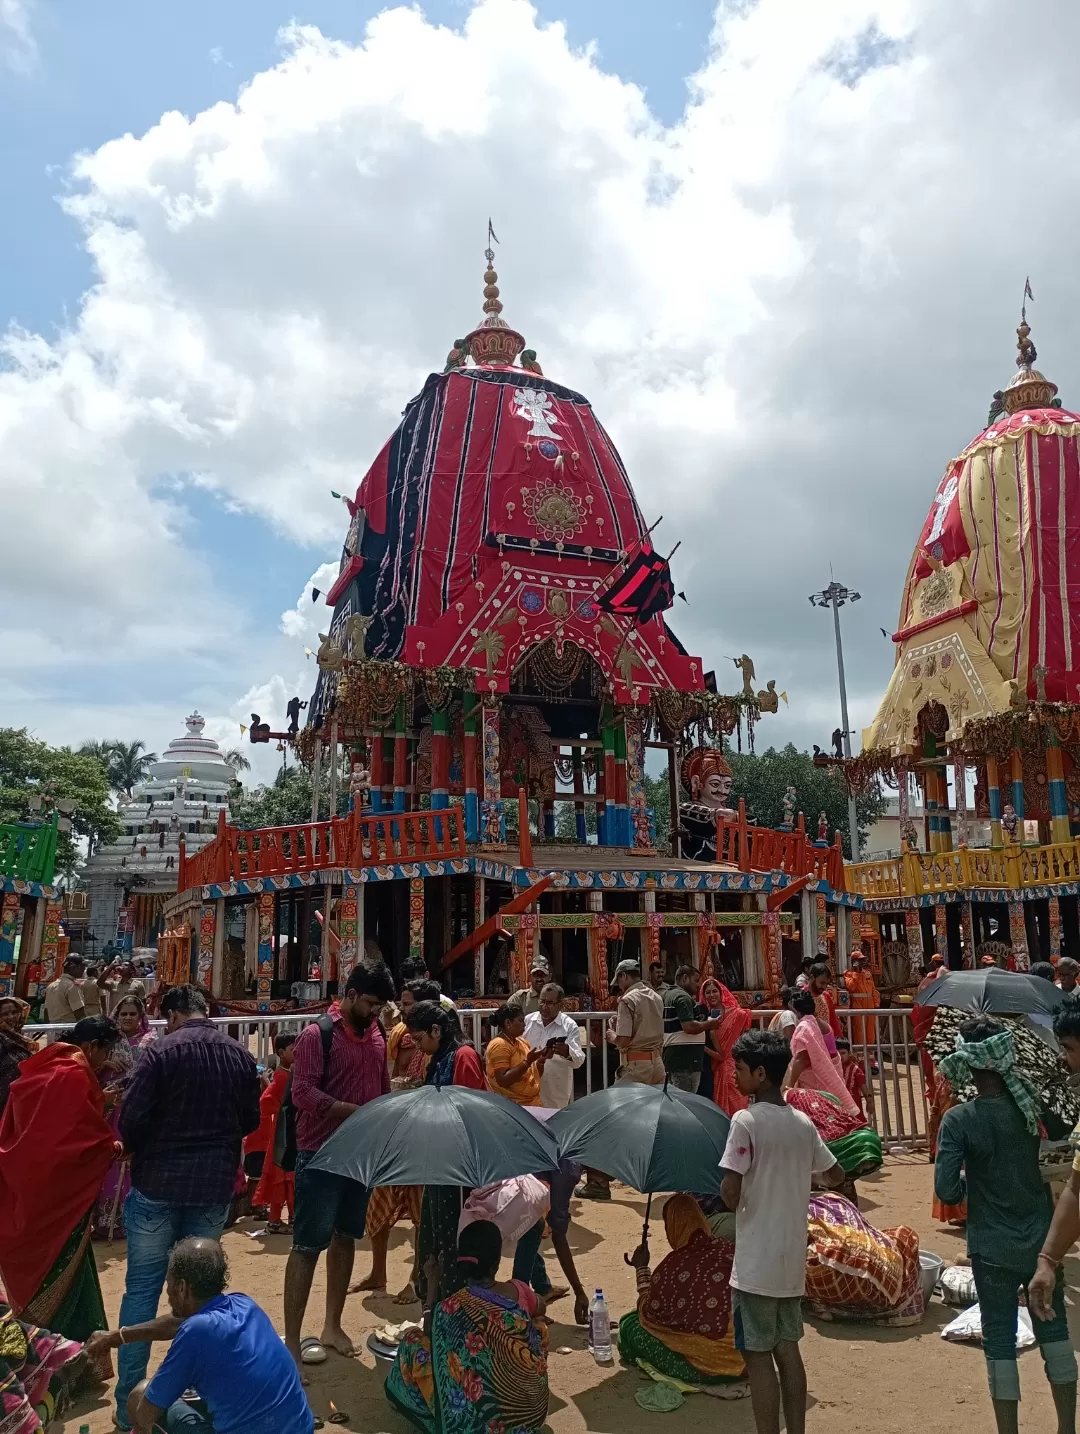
{"x":129,"y":765}
{"x":237,"y":760}
{"x":101,"y":750}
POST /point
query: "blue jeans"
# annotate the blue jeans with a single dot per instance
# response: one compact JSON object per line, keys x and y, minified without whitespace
{"x":153,"y":1228}
{"x":183,"y":1418}
{"x":997,"y":1289}
{"x":529,"y":1265}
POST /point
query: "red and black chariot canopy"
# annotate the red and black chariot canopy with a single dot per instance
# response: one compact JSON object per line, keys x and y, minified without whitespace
{"x":499,"y":516}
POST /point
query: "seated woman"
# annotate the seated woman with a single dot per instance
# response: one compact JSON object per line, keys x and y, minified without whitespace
{"x":835,"y":1116}
{"x":812,"y":1067}
{"x":856,"y":1145}
{"x":40,"y":1372}
{"x":480,"y":1362}
{"x":683,"y":1325}
{"x":857,"y":1272}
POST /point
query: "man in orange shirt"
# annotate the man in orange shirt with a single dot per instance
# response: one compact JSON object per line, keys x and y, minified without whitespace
{"x":513,"y":1068}
{"x":863,"y":992}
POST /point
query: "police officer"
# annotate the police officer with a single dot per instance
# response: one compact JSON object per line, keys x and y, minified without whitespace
{"x":638,"y":1028}
{"x":638,"y":1032}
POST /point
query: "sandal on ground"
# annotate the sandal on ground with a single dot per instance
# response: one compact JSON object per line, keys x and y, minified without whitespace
{"x":312,"y":1351}
{"x":588,"y":1191}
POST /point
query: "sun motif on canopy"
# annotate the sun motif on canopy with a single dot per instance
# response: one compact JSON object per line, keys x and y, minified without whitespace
{"x":556,"y":511}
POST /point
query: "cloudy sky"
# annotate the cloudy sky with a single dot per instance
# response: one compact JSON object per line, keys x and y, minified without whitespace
{"x":780,"y":246}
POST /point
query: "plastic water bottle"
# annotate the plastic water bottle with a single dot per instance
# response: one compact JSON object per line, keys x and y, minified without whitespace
{"x":599,"y":1329}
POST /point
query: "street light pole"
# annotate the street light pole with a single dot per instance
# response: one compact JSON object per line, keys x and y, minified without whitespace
{"x":835,"y":596}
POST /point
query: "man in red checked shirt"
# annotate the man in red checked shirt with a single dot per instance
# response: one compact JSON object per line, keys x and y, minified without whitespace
{"x":330,"y":1209}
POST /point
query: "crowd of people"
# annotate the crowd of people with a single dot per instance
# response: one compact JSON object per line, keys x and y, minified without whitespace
{"x":118,"y":1131}
{"x":92,"y":989}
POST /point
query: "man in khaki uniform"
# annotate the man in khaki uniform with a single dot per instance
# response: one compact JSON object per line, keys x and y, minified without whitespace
{"x":638,"y":1028}
{"x":528,"y":998}
{"x":64,"y":1002}
{"x":638,"y":1032}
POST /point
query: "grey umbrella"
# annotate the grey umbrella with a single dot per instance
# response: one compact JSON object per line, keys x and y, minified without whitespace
{"x":438,"y":1136}
{"x":651,"y":1137}
{"x":994,"y":991}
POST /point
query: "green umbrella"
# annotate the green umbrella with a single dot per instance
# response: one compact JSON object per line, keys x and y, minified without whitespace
{"x":649,"y":1137}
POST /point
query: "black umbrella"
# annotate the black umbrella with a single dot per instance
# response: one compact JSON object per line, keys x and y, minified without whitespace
{"x":994,"y":991}
{"x":649,"y":1137}
{"x":429,"y":1136}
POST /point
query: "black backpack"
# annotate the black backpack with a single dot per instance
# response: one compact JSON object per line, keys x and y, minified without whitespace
{"x":284,"y":1152}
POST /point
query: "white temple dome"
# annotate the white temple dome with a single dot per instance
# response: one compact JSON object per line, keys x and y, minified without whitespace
{"x":193,"y":756}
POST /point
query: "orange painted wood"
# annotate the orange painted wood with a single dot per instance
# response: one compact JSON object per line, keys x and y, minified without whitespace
{"x":490,"y":927}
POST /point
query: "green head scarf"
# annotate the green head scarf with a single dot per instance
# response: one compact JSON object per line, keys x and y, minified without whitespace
{"x":997,"y":1053}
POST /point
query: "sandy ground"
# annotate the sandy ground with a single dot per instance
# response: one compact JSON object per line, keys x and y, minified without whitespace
{"x":861,"y":1380}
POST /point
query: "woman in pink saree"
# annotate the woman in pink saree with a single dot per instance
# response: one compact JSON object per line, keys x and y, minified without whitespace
{"x":736,"y":1019}
{"x":812,"y":1067}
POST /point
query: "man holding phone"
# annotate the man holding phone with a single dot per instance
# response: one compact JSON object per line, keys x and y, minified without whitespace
{"x":552,"y":1029}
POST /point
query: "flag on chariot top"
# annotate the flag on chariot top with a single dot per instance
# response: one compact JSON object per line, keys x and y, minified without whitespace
{"x":643,"y":589}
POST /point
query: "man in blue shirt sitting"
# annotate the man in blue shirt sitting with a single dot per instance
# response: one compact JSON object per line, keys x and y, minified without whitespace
{"x":223,"y":1346}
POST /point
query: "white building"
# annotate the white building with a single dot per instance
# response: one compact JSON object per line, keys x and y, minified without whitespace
{"x":181,"y":796}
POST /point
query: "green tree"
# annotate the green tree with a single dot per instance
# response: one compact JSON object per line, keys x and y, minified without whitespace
{"x":31,"y":768}
{"x":101,"y":751}
{"x":237,"y":760}
{"x":762,"y":780}
{"x":565,"y":825}
{"x":285,"y":802}
{"x":129,"y":765}
{"x":658,"y":798}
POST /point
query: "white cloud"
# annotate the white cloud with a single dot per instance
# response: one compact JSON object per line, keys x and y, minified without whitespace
{"x":17,"y":46}
{"x":789,"y":309}
{"x":310,"y":616}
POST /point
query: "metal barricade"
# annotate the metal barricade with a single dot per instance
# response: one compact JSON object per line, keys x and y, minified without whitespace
{"x":601,"y":1060}
{"x":880,"y":1039}
{"x":256,"y":1033}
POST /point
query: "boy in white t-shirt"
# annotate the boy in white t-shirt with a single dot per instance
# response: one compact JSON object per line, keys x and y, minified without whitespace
{"x":772,"y":1154}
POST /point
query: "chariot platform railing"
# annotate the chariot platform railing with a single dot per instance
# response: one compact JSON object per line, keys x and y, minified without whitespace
{"x":741,"y":844}
{"x":934,"y":873}
{"x":356,"y":840}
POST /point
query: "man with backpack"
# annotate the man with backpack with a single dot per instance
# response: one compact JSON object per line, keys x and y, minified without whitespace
{"x":339,"y":1064}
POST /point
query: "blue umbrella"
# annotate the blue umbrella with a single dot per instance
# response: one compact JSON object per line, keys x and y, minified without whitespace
{"x":438,"y":1136}
{"x":649,"y":1137}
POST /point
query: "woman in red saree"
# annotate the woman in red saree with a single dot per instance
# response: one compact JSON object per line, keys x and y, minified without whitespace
{"x":55,"y":1149}
{"x":719,"y":1043}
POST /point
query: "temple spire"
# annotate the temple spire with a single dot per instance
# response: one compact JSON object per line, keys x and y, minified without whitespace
{"x":493,"y":341}
{"x":1028,"y":388}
